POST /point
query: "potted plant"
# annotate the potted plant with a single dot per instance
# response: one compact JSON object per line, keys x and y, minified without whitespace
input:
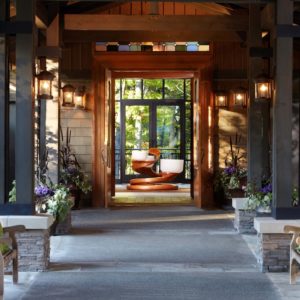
{"x":259,"y":199}
{"x":71,"y":174}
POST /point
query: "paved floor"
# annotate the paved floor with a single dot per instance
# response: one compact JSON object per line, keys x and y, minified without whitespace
{"x":151,"y":253}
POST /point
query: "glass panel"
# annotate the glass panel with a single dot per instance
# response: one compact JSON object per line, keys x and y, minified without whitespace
{"x":152,"y":89}
{"x":117,"y":141}
{"x":188,"y":89}
{"x":137,"y":132}
{"x":131,"y":89}
{"x":174,"y":89}
{"x":117,"y":89}
{"x":168,"y":130}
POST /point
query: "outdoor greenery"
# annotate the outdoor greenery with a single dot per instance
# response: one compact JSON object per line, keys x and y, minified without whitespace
{"x":4,"y":248}
{"x":12,"y":195}
{"x":139,"y":117}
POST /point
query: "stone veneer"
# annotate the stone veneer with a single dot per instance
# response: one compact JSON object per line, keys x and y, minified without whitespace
{"x":273,"y":252}
{"x":244,"y":221}
{"x":34,"y":243}
{"x":273,"y":245}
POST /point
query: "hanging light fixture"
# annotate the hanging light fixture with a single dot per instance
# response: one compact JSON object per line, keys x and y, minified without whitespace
{"x":240,"y":97}
{"x":221,"y":99}
{"x":80,"y":97}
{"x":45,"y":79}
{"x":68,"y":95}
{"x":263,"y":87}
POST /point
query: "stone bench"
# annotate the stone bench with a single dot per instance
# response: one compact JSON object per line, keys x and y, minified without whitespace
{"x":33,"y":243}
{"x":273,"y":244}
{"x":243,"y":219}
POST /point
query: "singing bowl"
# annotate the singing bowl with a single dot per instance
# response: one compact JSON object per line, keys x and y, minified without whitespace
{"x":139,"y":154}
{"x":171,"y":165}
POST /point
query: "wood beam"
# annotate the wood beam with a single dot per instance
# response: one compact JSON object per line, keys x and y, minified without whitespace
{"x":199,"y":1}
{"x":155,"y":23}
{"x":24,"y":135}
{"x":282,"y":118}
{"x":145,"y":36}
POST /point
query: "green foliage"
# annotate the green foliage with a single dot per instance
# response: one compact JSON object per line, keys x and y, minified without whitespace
{"x":256,"y":198}
{"x":60,"y":203}
{"x":4,"y":248}
{"x":12,"y":195}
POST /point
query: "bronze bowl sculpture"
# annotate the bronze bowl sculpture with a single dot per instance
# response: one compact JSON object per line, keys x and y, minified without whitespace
{"x":143,"y":163}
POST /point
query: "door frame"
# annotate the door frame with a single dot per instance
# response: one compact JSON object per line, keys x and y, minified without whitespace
{"x":140,"y":65}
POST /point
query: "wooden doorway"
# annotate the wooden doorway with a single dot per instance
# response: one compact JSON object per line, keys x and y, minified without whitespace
{"x":146,"y":65}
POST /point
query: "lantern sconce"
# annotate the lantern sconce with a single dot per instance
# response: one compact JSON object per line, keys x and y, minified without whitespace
{"x":45,"y":79}
{"x":263,"y":87}
{"x":240,"y":97}
{"x":221,"y":99}
{"x":80,"y":97}
{"x":68,"y":95}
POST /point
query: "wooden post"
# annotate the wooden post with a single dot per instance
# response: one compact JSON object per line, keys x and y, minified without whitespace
{"x":282,"y":118}
{"x":3,"y":104}
{"x":24,"y":139}
{"x":254,"y":145}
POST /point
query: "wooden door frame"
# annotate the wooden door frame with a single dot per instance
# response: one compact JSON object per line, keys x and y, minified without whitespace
{"x":141,"y":65}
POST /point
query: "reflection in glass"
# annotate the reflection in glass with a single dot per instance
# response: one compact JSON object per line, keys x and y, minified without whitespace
{"x":117,"y":141}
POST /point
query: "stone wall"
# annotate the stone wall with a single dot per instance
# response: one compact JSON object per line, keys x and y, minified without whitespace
{"x":273,"y":251}
{"x":228,"y":123}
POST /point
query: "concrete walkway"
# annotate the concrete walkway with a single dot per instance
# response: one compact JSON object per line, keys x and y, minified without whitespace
{"x":151,"y":253}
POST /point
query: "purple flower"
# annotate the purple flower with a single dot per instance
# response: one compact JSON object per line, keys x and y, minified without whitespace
{"x":266,"y":189}
{"x":42,"y":191}
{"x":229,"y":170}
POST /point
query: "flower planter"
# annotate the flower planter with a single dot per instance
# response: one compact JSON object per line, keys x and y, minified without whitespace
{"x":236,"y":193}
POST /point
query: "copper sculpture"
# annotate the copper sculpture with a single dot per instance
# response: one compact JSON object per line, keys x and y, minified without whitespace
{"x":157,"y":180}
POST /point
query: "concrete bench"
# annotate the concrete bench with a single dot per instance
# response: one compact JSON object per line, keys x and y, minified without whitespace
{"x":11,"y":256}
{"x":294,"y":255}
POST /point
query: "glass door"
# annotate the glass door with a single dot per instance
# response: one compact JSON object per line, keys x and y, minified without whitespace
{"x":152,"y":113}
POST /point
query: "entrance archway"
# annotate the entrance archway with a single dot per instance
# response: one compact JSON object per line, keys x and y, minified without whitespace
{"x":109,"y":66}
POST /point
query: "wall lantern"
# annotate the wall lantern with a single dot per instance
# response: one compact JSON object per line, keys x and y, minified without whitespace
{"x":240,"y":97}
{"x":221,"y":99}
{"x":45,"y":79}
{"x":68,"y":95}
{"x":80,"y":97}
{"x":263,"y":87}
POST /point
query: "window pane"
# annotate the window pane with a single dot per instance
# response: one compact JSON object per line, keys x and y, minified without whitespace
{"x":117,"y":141}
{"x":152,"y":89}
{"x":188,"y":89}
{"x":174,"y":89}
{"x":117,"y":89}
{"x":131,"y":89}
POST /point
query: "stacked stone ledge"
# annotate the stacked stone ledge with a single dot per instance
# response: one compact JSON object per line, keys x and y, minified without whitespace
{"x":244,"y":221}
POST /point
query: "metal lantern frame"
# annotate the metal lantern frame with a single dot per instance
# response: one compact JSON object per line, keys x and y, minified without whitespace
{"x":221,"y":99}
{"x":263,"y":87}
{"x":68,"y":95}
{"x":45,"y":79}
{"x":240,"y":97}
{"x":80,"y":99}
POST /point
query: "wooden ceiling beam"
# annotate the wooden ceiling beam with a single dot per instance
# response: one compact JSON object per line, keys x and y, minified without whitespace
{"x":155,"y":23}
{"x":146,"y":36}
